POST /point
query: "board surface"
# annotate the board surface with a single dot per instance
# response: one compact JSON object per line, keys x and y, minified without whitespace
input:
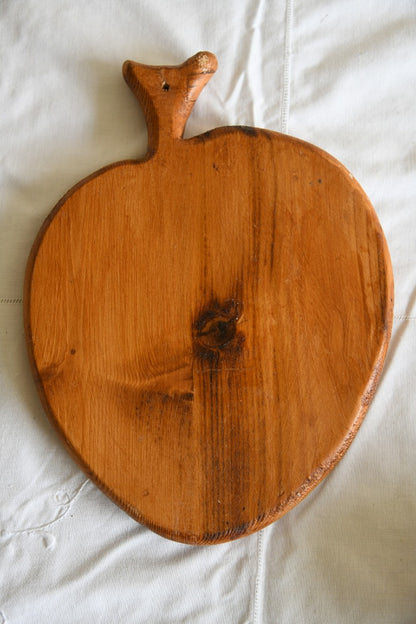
{"x":207,"y":326}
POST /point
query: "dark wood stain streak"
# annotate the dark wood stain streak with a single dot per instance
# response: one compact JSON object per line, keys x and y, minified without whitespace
{"x":381,"y":264}
{"x":248,"y":130}
{"x":273,"y":208}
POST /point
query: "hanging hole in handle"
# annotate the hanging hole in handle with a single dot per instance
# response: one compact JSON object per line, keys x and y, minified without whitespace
{"x":165,"y":86}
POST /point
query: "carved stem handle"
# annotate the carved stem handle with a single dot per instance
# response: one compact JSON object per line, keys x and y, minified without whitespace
{"x":167,"y":94}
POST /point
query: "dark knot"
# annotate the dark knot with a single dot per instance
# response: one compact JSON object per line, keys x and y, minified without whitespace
{"x":216,"y":326}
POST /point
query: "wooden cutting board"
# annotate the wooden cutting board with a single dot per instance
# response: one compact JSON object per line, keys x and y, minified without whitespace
{"x":207,"y":326}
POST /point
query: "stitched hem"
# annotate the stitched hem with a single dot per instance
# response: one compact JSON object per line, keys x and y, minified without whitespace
{"x":404,"y":317}
{"x":284,"y":110}
{"x":258,"y":589}
{"x":11,"y":300}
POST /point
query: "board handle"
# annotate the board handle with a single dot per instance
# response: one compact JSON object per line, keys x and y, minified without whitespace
{"x":167,"y":94}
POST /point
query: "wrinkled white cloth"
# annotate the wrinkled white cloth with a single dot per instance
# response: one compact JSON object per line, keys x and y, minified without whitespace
{"x":339,"y":74}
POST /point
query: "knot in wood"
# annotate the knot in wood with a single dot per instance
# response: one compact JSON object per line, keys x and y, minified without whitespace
{"x":216,"y":326}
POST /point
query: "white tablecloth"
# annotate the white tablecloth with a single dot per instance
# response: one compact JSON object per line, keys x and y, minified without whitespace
{"x":339,"y":74}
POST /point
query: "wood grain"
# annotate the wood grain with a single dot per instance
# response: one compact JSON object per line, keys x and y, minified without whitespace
{"x":207,"y":326}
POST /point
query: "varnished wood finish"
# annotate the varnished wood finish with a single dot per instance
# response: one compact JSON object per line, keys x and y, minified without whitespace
{"x":207,"y":326}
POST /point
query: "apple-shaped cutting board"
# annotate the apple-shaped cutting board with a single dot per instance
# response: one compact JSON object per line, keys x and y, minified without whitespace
{"x":207,"y":326}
